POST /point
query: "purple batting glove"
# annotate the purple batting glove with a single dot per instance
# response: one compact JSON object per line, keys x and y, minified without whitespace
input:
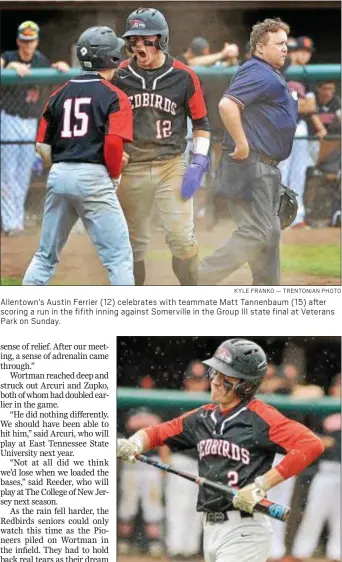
{"x":193,"y":175}
{"x":38,"y":165}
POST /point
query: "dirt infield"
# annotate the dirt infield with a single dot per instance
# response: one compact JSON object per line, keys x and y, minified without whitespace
{"x":80,"y":265}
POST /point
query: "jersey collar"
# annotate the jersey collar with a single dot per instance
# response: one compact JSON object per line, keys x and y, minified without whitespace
{"x":267,"y":63}
{"x":167,"y":64}
{"x":229,"y":411}
{"x":86,"y":74}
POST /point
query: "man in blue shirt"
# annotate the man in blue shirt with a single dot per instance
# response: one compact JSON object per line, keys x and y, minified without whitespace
{"x":259,"y":114}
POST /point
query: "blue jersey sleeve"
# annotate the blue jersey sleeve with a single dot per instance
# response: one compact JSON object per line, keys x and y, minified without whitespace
{"x":247,"y":86}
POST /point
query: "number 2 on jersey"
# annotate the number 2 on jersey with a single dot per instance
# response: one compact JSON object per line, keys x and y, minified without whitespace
{"x":163,"y":128}
{"x":81,"y":128}
{"x":233,"y":478}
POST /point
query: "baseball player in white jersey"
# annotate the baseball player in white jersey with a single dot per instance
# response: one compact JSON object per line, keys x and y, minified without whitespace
{"x":183,"y":523}
{"x":324,"y":499}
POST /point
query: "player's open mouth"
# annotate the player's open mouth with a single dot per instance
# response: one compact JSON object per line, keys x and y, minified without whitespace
{"x":141,"y":54}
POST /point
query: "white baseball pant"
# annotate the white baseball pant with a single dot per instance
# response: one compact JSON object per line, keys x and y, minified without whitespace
{"x":238,"y":539}
{"x":183,"y":522}
{"x":281,"y":494}
{"x":141,"y":482}
{"x":323,"y":505}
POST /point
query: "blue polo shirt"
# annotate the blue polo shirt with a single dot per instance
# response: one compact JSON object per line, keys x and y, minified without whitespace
{"x":268,"y":109}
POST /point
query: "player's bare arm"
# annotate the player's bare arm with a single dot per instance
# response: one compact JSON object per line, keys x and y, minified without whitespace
{"x":44,"y":150}
{"x":307,"y":105}
{"x":208,"y":60}
{"x":320,"y":130}
{"x":230,"y":113}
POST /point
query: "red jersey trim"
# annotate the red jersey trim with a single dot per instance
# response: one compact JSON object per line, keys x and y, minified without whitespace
{"x":120,"y":122}
{"x":157,"y":434}
{"x":196,"y":102}
{"x":58,"y":89}
{"x":43,"y":125}
{"x":301,"y":444}
{"x":125,"y":63}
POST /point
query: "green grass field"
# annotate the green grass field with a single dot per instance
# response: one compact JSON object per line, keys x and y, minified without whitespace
{"x":10,"y":281}
{"x":313,"y":260}
{"x":319,"y":260}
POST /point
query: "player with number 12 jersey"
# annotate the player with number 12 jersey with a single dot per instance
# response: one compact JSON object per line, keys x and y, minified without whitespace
{"x":164,"y":93}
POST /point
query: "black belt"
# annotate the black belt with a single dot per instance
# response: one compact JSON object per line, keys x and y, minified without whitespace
{"x":267,"y":160}
{"x":221,"y":516}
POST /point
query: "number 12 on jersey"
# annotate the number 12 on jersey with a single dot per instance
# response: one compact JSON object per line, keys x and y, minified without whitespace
{"x":163,"y":128}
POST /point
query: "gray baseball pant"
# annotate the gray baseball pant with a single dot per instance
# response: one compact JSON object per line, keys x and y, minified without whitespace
{"x":257,"y":236}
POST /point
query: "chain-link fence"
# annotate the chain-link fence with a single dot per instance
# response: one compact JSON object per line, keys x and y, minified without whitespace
{"x":23,"y":177}
{"x":313,"y":169}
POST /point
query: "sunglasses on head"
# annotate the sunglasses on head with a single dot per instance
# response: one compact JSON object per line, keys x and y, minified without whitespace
{"x":147,"y":42}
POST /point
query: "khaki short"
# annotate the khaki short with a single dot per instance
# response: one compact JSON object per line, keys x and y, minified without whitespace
{"x":158,"y":183}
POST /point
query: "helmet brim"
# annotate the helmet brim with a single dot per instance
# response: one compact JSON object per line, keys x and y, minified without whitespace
{"x":222,"y":367}
{"x":141,"y":32}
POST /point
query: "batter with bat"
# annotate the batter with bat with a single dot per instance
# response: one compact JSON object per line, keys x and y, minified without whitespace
{"x":236,"y":439}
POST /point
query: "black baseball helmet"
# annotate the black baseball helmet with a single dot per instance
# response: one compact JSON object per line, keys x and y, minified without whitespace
{"x":98,"y":47}
{"x":241,"y":359}
{"x":148,"y":21}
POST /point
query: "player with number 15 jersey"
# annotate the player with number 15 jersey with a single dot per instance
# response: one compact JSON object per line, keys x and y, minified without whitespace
{"x":163,"y":93}
{"x":81,"y":133}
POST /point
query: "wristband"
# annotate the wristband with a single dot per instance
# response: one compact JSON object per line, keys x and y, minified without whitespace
{"x":260,"y":481}
{"x":201,"y":145}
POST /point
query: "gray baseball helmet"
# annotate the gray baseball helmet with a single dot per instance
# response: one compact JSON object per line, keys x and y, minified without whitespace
{"x":98,"y":47}
{"x":148,"y":21}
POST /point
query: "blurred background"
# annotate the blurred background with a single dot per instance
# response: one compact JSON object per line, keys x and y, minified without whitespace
{"x":213,"y":38}
{"x":161,"y":377}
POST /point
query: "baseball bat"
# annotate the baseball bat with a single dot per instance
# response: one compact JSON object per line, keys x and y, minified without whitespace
{"x":265,"y":506}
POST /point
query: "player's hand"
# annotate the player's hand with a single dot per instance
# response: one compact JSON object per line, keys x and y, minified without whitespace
{"x":193,"y":175}
{"x":61,"y":66}
{"x":127,"y":449}
{"x":22,"y":69}
{"x":124,"y":160}
{"x":328,"y":441}
{"x":230,"y":50}
{"x":241,"y":152}
{"x":321,"y":133}
{"x":116,"y":182}
{"x":247,"y":498}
